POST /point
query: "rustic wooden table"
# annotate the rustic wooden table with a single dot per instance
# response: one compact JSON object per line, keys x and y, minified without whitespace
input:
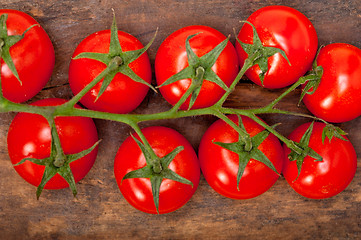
{"x":100,"y":211}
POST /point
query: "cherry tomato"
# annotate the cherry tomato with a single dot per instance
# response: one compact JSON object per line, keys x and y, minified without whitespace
{"x":171,"y":58}
{"x":337,"y":98}
{"x":123,"y":94}
{"x":29,"y":136}
{"x":220,"y":166}
{"x":33,"y":57}
{"x":287,"y":29}
{"x":326,"y":178}
{"x":138,"y":191}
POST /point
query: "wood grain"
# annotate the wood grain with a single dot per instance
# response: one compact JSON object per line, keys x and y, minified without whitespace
{"x":100,"y":211}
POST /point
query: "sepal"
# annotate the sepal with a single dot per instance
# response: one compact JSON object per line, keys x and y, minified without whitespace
{"x":306,"y":150}
{"x":156,"y":178}
{"x":259,"y":53}
{"x":245,"y":155}
{"x":331,"y":131}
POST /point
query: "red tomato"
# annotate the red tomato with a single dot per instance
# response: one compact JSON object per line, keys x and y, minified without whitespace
{"x":123,"y":94}
{"x":338,"y":97}
{"x":285,"y":28}
{"x":29,"y":136}
{"x":138,"y":191}
{"x":33,"y":57}
{"x":220,"y":166}
{"x":326,"y":178}
{"x":171,"y":58}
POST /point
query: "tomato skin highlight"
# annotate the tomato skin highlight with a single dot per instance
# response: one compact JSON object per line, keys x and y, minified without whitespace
{"x":138,"y":191}
{"x":285,"y":28}
{"x":219,"y":166}
{"x":171,"y":58}
{"x":33,"y":57}
{"x":30,"y":136}
{"x":123,"y":94}
{"x":337,"y":98}
{"x":324,"y":179}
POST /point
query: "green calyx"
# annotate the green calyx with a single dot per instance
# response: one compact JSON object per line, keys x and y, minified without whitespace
{"x":116,"y":60}
{"x":312,"y":79}
{"x":156,"y":170}
{"x":57,"y":162}
{"x":244,"y":154}
{"x":299,"y":157}
{"x":259,"y":54}
{"x":198,"y":70}
{"x":330,"y":131}
{"x":7,"y":41}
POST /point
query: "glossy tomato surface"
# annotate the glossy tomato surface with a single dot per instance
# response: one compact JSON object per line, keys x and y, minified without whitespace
{"x":326,"y":178}
{"x":29,"y":136}
{"x":123,"y":94}
{"x":287,"y":29}
{"x":338,"y":97}
{"x":220,"y":166}
{"x":171,"y":58}
{"x":33,"y":57}
{"x":138,"y":191}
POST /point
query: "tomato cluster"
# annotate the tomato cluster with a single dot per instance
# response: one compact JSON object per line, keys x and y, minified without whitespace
{"x":157,"y":169}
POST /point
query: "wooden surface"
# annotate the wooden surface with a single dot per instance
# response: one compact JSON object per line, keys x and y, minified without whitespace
{"x":100,"y":211}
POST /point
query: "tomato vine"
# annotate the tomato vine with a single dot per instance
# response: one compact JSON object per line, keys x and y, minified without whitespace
{"x":198,"y":70}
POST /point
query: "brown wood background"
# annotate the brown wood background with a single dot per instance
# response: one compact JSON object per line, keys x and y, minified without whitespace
{"x":100,"y":211}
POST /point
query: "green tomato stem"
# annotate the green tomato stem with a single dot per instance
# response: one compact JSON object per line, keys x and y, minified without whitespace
{"x":156,"y":163}
{"x":129,"y":119}
{"x":113,"y":65}
{"x":248,"y":63}
{"x":300,"y":81}
{"x":8,"y":106}
{"x":285,"y":140}
{"x":278,"y":111}
{"x":60,"y":156}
